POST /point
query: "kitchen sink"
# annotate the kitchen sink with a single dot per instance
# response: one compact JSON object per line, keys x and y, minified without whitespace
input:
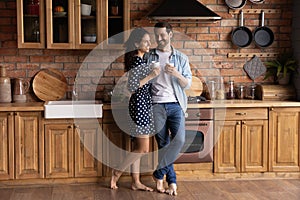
{"x":73,"y":109}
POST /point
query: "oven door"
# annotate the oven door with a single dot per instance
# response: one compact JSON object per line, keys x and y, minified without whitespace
{"x":198,"y":145}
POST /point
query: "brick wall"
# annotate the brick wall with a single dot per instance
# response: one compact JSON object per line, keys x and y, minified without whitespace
{"x":208,"y":48}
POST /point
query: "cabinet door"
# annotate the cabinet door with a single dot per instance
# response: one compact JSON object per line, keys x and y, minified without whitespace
{"x":254,"y":146}
{"x":31,"y":24}
{"x":284,"y":139}
{"x":227,"y":146}
{"x":6,"y":146}
{"x":88,"y":27}
{"x":60,"y":25}
{"x":88,"y":149}
{"x":115,"y":145}
{"x":59,"y":150}
{"x":115,"y":23}
{"x":29,"y":141}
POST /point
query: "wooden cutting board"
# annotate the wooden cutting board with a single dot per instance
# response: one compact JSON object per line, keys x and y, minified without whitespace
{"x":196,"y":87}
{"x":49,"y":85}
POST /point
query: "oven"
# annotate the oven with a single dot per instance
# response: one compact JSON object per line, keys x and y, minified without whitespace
{"x":198,"y":145}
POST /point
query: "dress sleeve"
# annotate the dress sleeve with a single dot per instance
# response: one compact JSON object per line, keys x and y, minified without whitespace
{"x":134,"y":76}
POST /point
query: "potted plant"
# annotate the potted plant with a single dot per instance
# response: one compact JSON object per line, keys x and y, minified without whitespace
{"x":281,"y":68}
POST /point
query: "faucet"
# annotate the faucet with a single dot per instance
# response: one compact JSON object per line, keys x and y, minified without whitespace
{"x":74,"y":92}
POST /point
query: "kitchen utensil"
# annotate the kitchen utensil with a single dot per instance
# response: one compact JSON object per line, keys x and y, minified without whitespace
{"x":263,"y":36}
{"x":254,"y":68}
{"x":235,"y":4}
{"x":241,"y":36}
{"x":49,"y":85}
{"x":196,"y":87}
{"x":5,"y":86}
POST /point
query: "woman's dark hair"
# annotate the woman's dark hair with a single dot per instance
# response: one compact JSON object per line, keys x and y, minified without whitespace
{"x":164,"y":25}
{"x":136,"y":36}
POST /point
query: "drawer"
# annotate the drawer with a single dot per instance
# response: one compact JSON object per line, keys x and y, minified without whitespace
{"x":241,"y":113}
{"x":196,"y":113}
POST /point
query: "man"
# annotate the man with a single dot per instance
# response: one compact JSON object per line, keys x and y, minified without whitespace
{"x":170,"y":104}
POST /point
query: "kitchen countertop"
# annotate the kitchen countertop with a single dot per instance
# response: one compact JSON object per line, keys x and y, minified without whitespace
{"x":28,"y":106}
{"x":236,"y":103}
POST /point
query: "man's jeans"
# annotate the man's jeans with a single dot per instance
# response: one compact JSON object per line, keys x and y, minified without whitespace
{"x":170,"y":135}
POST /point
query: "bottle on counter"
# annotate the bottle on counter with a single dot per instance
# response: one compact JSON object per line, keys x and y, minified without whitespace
{"x":5,"y":86}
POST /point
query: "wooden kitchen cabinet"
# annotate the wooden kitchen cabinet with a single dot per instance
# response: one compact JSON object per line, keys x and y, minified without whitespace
{"x":6,"y":146}
{"x":66,"y":30}
{"x":59,"y":151}
{"x":29,"y":145}
{"x":22,"y":145}
{"x":241,"y":137}
{"x":31,"y":24}
{"x":72,"y":149}
{"x":88,"y":148}
{"x":284,"y":139}
{"x":116,"y":143}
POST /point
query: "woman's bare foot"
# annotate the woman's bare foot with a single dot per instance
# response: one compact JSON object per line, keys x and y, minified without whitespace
{"x":140,"y":186}
{"x":114,"y":179}
{"x":172,"y":189}
{"x":159,"y":185}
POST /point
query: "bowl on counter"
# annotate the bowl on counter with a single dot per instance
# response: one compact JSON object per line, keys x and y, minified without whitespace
{"x":89,"y":38}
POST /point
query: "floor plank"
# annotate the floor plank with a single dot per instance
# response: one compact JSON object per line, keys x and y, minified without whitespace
{"x":187,"y":190}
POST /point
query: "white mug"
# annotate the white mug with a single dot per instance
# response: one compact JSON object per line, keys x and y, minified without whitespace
{"x":155,"y":64}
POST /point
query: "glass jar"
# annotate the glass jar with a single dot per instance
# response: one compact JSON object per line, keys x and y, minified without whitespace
{"x":240,"y":92}
{"x":251,"y":91}
{"x":230,"y":93}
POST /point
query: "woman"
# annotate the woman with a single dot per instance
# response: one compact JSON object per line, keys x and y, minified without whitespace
{"x":140,"y":110}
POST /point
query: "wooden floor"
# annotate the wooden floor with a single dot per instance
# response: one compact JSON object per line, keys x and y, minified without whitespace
{"x":233,"y":189}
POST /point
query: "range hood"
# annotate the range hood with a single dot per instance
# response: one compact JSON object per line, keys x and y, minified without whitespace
{"x":182,"y":9}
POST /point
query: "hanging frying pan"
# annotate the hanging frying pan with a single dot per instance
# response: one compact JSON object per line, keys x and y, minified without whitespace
{"x":241,"y":36}
{"x":263,"y":36}
{"x":235,"y":4}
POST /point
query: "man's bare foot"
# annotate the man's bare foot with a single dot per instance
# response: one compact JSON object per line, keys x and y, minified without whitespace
{"x":172,"y":189}
{"x":140,"y":186}
{"x":114,"y":179}
{"x":159,"y":185}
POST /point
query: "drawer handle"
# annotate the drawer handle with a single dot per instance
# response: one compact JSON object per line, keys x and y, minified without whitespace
{"x":198,"y":114}
{"x":240,"y":114}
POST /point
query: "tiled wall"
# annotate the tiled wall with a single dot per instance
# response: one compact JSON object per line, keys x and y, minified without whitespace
{"x":208,"y":49}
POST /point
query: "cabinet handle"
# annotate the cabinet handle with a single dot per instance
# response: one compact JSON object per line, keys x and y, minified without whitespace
{"x":243,"y":122}
{"x":198,"y":114}
{"x":238,"y":123}
{"x":240,"y":114}
{"x":271,"y":109}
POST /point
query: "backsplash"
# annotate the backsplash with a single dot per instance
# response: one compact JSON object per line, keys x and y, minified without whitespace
{"x":208,"y":47}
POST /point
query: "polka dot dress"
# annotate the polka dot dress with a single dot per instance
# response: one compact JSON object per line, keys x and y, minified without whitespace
{"x":140,"y":103}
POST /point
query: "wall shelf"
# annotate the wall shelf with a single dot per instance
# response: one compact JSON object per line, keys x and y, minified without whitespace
{"x":254,"y":11}
{"x":250,"y":55}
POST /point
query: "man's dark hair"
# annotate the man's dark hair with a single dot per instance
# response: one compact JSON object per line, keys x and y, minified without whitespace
{"x":164,"y":25}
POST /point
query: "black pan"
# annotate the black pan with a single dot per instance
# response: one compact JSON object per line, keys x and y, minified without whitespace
{"x":263,"y":36}
{"x":241,"y":36}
